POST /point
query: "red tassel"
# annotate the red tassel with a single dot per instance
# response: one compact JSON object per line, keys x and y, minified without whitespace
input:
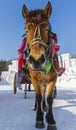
{"x":22,"y":46}
{"x":63,"y":69}
{"x":57,"y":48}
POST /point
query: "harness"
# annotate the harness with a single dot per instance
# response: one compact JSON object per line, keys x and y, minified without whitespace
{"x":51,"y":48}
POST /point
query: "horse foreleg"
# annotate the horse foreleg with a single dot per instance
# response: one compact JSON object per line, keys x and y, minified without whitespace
{"x":39,"y":113}
{"x":43,"y":105}
{"x":49,"y":115}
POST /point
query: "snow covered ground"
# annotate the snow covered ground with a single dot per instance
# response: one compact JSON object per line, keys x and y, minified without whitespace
{"x":16,"y":112}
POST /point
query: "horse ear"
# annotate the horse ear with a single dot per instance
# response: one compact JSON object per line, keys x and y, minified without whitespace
{"x":48,"y":9}
{"x":25,"y":12}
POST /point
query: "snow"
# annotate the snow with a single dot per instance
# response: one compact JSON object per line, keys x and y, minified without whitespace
{"x":4,"y":85}
{"x":16,"y":112}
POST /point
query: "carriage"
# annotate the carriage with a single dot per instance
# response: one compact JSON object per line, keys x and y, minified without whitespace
{"x":22,"y":77}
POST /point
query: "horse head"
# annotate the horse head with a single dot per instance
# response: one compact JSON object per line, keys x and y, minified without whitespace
{"x":38,"y":31}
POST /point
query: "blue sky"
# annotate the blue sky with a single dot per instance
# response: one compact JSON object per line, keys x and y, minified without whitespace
{"x":63,"y":22}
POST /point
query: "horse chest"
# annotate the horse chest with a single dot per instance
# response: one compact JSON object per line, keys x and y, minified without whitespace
{"x":43,"y":79}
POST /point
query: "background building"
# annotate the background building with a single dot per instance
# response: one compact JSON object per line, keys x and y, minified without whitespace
{"x":65,"y":60}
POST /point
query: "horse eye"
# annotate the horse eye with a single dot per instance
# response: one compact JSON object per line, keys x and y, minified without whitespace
{"x":26,"y":32}
{"x":42,"y":59}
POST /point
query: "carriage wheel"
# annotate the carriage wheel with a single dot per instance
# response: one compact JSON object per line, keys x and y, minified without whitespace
{"x":25,"y":91}
{"x":14,"y":86}
{"x":15,"y":89}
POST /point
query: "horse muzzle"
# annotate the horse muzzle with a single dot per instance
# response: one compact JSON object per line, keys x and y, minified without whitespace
{"x":37,"y":64}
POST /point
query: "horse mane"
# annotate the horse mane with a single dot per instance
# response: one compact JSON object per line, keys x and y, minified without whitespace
{"x":36,"y":16}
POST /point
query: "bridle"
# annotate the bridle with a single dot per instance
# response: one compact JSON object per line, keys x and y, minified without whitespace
{"x":48,"y":46}
{"x":37,"y":40}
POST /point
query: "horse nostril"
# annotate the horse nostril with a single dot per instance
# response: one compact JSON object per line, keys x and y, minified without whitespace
{"x":36,"y":63}
{"x":31,"y":59}
{"x":33,"y":62}
{"x":42,"y":59}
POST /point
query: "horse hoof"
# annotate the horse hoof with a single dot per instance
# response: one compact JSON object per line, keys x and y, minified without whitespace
{"x":51,"y":127}
{"x":39,"y":124}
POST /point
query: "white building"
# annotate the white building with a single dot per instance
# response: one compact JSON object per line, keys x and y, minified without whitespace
{"x":13,"y":66}
{"x":68,"y":78}
{"x":65,"y":60}
{"x":73,"y":64}
{"x":9,"y":75}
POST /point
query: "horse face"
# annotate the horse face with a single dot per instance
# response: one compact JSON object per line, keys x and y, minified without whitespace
{"x":37,"y":51}
{"x":37,"y":35}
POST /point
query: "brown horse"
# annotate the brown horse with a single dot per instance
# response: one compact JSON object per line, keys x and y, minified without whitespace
{"x":42,"y":64}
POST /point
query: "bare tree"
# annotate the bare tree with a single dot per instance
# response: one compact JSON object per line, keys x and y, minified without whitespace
{"x":4,"y":65}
